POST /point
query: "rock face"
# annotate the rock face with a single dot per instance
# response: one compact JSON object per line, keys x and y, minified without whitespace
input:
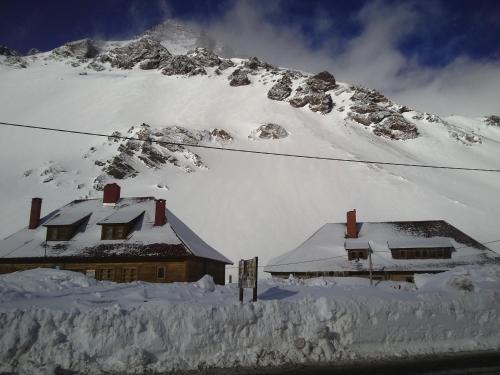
{"x":269,"y":131}
{"x":12,"y":57}
{"x":372,"y":109}
{"x":81,"y":50}
{"x":492,"y":120}
{"x":254,"y":64}
{"x":147,"y":150}
{"x":313,"y":92}
{"x":239,"y":77}
{"x":282,"y":89}
{"x":182,"y":65}
{"x":396,"y":127}
{"x":148,"y":51}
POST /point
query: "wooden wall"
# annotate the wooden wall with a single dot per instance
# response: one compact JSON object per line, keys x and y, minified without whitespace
{"x":175,"y":270}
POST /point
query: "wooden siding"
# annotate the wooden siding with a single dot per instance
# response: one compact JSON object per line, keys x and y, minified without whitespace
{"x":175,"y":270}
{"x":407,"y":276}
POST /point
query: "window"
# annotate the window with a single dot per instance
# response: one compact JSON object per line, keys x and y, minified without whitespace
{"x":105,"y":274}
{"x":60,"y":233}
{"x":114,"y":232}
{"x":129,"y":274}
{"x":161,"y":272}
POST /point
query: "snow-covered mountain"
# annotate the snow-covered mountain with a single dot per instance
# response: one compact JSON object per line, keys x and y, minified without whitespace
{"x":176,"y":84}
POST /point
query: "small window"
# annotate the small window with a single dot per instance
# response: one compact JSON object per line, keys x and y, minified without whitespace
{"x":106,"y":274}
{"x":129,"y":274}
{"x":114,"y":232}
{"x":161,"y":272}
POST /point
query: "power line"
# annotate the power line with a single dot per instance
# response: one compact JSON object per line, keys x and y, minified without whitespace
{"x":299,"y":156}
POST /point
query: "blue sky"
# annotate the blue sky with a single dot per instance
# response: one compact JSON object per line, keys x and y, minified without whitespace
{"x":393,"y":46}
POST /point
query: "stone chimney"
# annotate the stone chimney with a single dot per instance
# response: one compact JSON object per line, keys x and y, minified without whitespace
{"x":111,"y":194}
{"x":160,"y":218}
{"x":36,"y":209}
{"x":352,"y":227}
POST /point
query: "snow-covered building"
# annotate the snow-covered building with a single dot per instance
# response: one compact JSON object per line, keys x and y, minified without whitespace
{"x":391,"y":250}
{"x":114,"y":238}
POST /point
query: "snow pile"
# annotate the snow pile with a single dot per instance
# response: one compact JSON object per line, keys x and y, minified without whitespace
{"x":95,"y":327}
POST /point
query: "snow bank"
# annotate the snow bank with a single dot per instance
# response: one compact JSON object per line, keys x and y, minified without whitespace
{"x":93,"y":327}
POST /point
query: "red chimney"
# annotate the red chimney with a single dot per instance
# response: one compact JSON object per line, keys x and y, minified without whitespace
{"x":36,"y":209}
{"x":352,"y":227}
{"x":160,"y":218}
{"x":111,"y":194}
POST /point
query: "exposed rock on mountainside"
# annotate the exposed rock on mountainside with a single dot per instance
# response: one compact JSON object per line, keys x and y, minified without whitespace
{"x":6,"y":51}
{"x":239,"y":77}
{"x":182,"y":65}
{"x":149,"y":51}
{"x":492,"y":120}
{"x":282,"y":89}
{"x":12,"y":57}
{"x":396,"y":127}
{"x":220,"y":136}
{"x":32,"y":51}
{"x":254,"y":64}
{"x":466,"y":137}
{"x":313,"y":92}
{"x":133,"y":155}
{"x":81,"y":50}
{"x":372,"y":109}
{"x":269,"y":131}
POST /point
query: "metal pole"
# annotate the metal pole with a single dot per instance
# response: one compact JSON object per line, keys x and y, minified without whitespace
{"x":241,"y":295}
{"x":371,"y":265}
{"x":256,"y":278}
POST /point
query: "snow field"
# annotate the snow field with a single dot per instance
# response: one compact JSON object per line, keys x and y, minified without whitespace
{"x":69,"y":321}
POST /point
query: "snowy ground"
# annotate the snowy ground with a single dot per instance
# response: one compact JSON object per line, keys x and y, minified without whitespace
{"x":52,"y":318}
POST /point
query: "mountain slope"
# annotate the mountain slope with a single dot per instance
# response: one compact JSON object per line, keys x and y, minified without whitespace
{"x":243,"y":205}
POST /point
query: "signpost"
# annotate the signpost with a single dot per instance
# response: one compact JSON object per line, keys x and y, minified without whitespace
{"x":247,"y":276}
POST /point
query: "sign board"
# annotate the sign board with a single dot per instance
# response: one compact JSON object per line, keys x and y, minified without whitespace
{"x":247,"y":276}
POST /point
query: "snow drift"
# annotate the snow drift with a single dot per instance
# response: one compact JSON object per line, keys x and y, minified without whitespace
{"x":51,"y":318}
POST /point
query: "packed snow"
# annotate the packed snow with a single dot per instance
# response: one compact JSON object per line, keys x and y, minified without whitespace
{"x":59,"y":319}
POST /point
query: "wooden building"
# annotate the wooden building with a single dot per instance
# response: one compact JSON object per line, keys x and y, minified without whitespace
{"x":390,"y":250}
{"x":117,"y":239}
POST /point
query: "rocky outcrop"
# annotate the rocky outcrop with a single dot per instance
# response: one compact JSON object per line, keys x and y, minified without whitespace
{"x":147,"y":51}
{"x":492,"y":120}
{"x":281,"y":89}
{"x":81,"y":50}
{"x":396,"y":127}
{"x":33,"y":51}
{"x":313,"y":92}
{"x":269,"y":131}
{"x":182,"y":65}
{"x":374,"y":110}
{"x":219,"y":136}
{"x":239,"y":77}
{"x":152,"y":149}
{"x":6,"y":51}
{"x":254,"y":64}
{"x":12,"y":57}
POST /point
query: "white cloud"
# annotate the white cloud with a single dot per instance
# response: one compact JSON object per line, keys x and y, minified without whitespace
{"x":372,"y":58}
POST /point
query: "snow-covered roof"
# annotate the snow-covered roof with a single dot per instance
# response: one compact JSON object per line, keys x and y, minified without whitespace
{"x":356,"y":244}
{"x":326,"y":251}
{"x":67,"y":218}
{"x":174,"y":239}
{"x":412,"y":243}
{"x":123,"y":216}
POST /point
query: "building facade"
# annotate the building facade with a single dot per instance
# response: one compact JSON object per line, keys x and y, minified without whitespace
{"x":116,"y":239}
{"x":385,"y":250}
